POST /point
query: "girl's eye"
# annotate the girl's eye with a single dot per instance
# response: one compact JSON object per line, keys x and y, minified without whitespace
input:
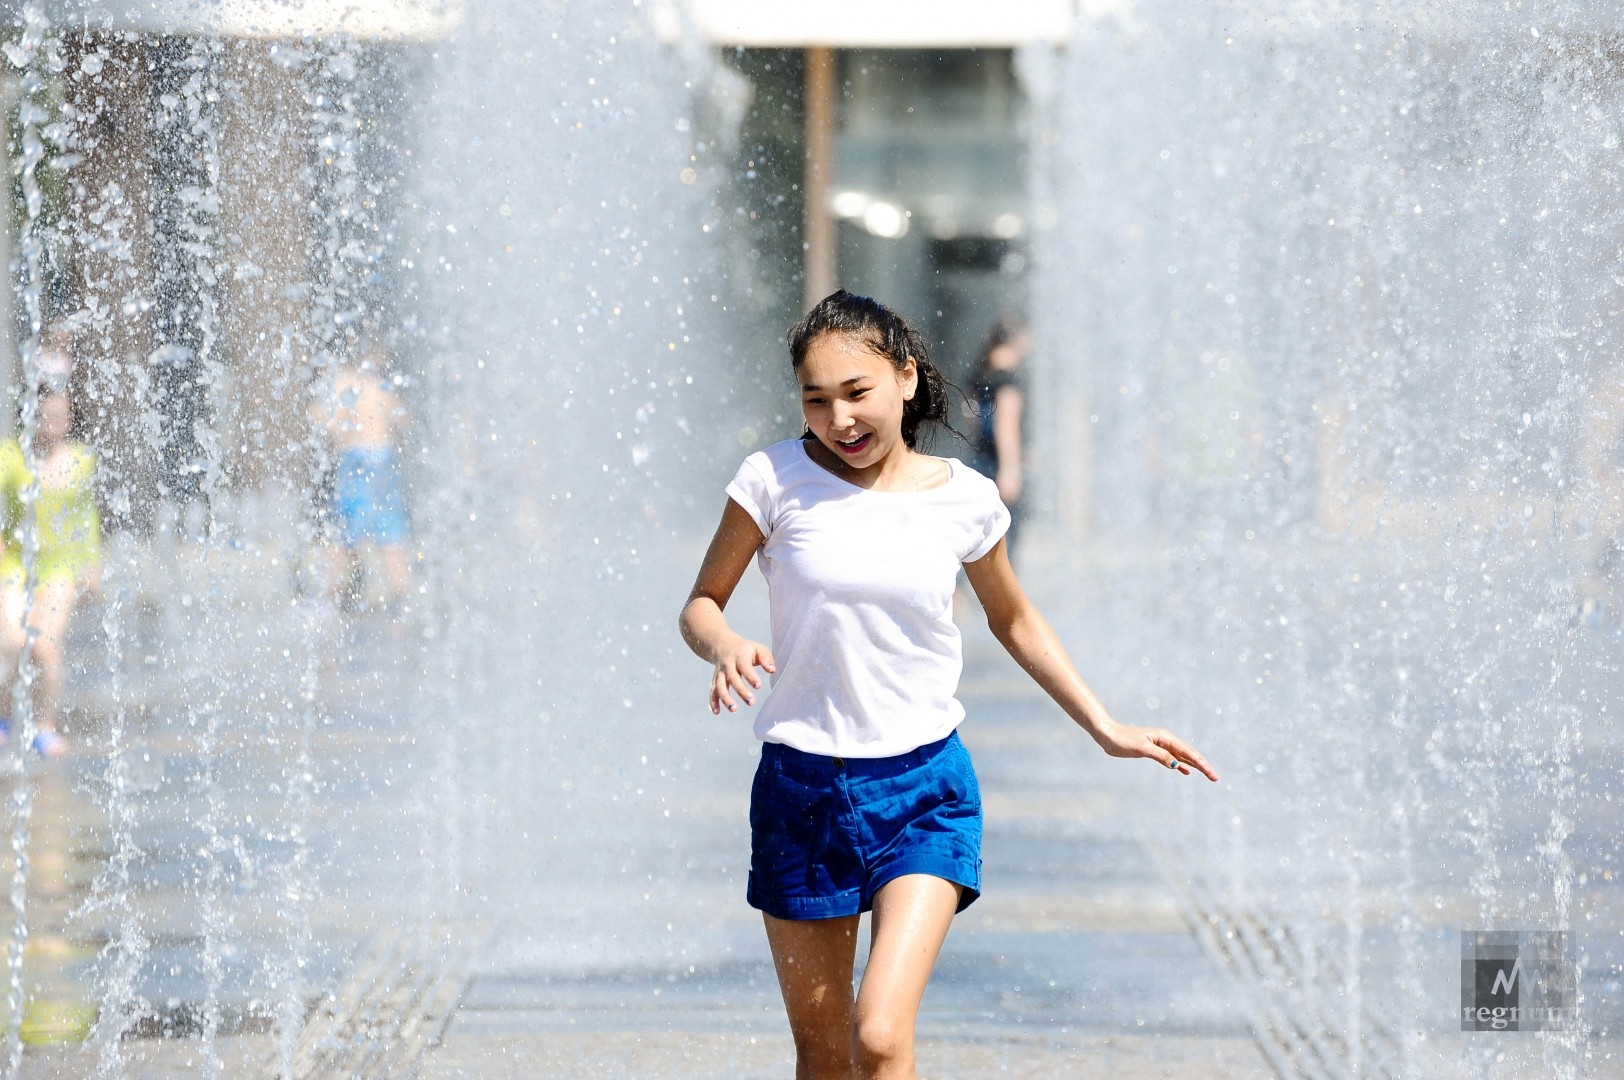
{"x":855,"y":394}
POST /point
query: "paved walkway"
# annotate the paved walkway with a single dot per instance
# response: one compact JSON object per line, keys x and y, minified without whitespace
{"x":625,"y":948}
{"x":1075,"y":962}
{"x":606,"y":841}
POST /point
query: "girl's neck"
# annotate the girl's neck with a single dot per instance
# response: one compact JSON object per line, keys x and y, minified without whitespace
{"x":897,"y":471}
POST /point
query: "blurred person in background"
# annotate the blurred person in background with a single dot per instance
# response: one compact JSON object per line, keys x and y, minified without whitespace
{"x":998,"y":395}
{"x":1601,"y":539}
{"x":363,"y":415}
{"x":69,"y":559}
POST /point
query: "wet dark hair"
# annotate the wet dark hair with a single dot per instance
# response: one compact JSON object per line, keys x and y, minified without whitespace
{"x":890,"y":336}
{"x":1006,"y":329}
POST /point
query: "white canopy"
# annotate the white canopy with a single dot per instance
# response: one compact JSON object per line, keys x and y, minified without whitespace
{"x":373,"y":20}
{"x":856,"y":24}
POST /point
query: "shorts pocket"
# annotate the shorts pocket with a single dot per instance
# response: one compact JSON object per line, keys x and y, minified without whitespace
{"x":784,"y":823}
{"x":941,"y":800}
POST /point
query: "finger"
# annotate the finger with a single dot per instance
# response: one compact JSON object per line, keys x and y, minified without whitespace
{"x":722,"y":694}
{"x":1151,"y":747}
{"x":739,"y":683}
{"x":1186,"y":754}
{"x":1190,"y":755}
{"x":1200,"y":763}
{"x":768,"y":664}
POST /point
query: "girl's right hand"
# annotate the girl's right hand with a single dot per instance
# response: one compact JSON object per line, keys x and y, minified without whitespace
{"x":736,"y":665}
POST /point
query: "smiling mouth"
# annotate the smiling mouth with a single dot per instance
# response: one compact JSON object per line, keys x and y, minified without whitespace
{"x":857,"y":445}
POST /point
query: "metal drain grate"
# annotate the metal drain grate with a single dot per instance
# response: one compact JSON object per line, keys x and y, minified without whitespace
{"x":390,"y":1011}
{"x":1285,"y":993}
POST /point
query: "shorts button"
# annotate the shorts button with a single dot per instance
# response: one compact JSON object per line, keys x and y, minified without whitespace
{"x":840,"y":763}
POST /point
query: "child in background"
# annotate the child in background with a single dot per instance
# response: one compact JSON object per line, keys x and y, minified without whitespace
{"x":69,"y":560}
{"x":364,"y":415}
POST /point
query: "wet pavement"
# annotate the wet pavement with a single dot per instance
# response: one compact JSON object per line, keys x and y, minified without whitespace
{"x":241,"y":910}
{"x":610,"y":937}
{"x":1090,"y":953}
{"x":1076,"y":960}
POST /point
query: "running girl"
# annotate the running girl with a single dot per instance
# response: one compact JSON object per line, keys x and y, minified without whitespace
{"x":67,"y":565}
{"x":865,"y":798}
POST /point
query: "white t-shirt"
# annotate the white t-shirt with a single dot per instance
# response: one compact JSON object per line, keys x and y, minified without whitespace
{"x":861,"y":585}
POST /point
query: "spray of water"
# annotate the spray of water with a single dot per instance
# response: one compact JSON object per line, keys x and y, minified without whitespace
{"x":1350,"y":299}
{"x":31,"y":54}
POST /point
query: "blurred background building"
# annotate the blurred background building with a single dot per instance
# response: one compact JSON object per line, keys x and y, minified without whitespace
{"x":251,"y":159}
{"x":901,"y":134}
{"x":221,"y":202}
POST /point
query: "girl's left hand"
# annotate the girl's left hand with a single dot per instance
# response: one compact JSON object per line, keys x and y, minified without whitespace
{"x":1158,"y":745}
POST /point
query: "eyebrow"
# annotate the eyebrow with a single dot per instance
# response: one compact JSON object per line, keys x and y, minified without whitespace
{"x":808,"y":387}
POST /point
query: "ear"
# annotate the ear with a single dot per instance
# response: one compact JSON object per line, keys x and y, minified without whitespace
{"x":908,"y":379}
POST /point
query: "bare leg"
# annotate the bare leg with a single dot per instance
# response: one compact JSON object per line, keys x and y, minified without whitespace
{"x":11,"y":642}
{"x":911,"y":918}
{"x":54,"y":602}
{"x":397,"y":568}
{"x":340,"y":573}
{"x":814,"y":960}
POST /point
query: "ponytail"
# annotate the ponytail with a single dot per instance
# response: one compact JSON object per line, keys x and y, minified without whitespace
{"x":888,"y":335}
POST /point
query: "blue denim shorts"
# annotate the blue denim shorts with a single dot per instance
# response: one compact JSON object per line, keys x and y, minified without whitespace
{"x":826,"y":833}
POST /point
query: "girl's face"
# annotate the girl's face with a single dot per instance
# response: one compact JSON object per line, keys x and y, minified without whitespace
{"x":852,"y":399}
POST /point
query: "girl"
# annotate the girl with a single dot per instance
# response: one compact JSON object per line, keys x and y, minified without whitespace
{"x":865,"y":798}
{"x":68,"y":563}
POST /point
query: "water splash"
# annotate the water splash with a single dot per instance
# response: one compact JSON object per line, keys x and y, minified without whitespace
{"x":1349,"y":292}
{"x":31,"y":54}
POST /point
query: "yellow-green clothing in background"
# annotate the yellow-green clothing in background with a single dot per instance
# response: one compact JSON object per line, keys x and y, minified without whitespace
{"x":69,"y":523}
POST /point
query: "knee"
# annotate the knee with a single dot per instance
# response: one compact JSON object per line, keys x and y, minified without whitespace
{"x":823,"y":1044}
{"x":881,"y":1041}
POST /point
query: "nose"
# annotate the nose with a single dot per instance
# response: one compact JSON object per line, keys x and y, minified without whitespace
{"x":840,"y":415}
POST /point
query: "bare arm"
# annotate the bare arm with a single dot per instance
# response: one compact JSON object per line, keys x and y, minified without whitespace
{"x":1006,"y":437}
{"x":1026,"y":634}
{"x":705,"y":628}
